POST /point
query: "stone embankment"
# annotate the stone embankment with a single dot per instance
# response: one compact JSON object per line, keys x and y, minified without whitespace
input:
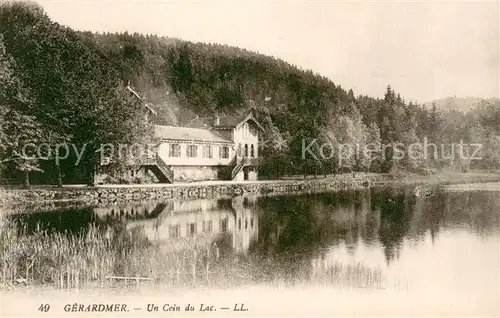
{"x":96,"y":195}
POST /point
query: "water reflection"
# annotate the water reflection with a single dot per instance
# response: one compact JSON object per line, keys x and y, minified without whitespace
{"x":201,"y":221}
{"x":377,"y":238}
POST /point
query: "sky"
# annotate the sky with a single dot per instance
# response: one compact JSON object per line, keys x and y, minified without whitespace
{"x":425,"y":50}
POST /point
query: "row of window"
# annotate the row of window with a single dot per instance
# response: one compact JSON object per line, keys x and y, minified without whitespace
{"x":192,"y":151}
{"x":246,"y":224}
{"x":243,"y":151}
{"x":174,"y":231}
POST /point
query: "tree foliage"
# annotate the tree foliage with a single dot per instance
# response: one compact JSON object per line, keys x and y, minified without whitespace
{"x":75,"y":94}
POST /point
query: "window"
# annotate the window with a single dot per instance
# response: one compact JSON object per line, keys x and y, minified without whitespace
{"x":246,"y":150}
{"x":246,"y":224}
{"x":174,"y":231}
{"x":224,"y":152}
{"x":239,"y":150}
{"x":208,"y":151}
{"x":192,"y":151}
{"x":252,"y":151}
{"x":174,"y":150}
{"x":223,"y":225}
{"x":239,"y":224}
{"x":251,"y":223}
{"x":207,"y":226}
{"x":191,"y":229}
{"x":245,"y":131}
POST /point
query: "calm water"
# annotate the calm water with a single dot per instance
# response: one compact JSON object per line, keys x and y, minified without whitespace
{"x":445,"y":247}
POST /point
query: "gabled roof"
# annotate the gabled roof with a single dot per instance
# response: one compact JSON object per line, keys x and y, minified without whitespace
{"x":248,"y":118}
{"x":200,"y":122}
{"x":230,"y":121}
{"x":188,"y":134}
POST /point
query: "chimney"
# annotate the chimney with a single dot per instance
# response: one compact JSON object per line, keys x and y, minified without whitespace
{"x":216,"y":120}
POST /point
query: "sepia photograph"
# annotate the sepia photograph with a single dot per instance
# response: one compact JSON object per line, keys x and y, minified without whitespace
{"x":249,"y":158}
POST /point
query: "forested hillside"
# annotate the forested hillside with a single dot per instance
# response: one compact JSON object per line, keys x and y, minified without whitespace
{"x":60,"y":85}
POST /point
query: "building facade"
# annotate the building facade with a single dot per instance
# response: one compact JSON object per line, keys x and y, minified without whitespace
{"x":211,"y":148}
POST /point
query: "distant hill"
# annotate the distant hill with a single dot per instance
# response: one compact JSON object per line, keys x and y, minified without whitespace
{"x":462,"y":104}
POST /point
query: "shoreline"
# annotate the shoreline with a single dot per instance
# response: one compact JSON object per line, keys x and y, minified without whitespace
{"x":48,"y":197}
{"x":183,"y":191}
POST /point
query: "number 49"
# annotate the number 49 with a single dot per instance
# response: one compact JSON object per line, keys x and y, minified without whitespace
{"x":44,"y":308}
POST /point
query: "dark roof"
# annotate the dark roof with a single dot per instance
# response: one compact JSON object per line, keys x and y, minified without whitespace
{"x":227,"y":121}
{"x":230,"y":121}
{"x":208,"y":122}
{"x":197,"y":122}
{"x":188,"y":134}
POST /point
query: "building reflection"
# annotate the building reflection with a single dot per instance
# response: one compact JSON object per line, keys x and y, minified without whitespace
{"x":176,"y":224}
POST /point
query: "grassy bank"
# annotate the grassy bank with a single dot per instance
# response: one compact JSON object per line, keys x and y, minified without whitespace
{"x":66,"y":260}
{"x":95,"y":260}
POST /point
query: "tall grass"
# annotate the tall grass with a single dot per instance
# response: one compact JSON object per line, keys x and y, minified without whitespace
{"x":348,"y":275}
{"x":58,"y":259}
{"x":95,"y":259}
{"x":69,"y":261}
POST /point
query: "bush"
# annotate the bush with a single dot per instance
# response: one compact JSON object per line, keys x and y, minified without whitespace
{"x":224,"y":173}
{"x":116,"y":180}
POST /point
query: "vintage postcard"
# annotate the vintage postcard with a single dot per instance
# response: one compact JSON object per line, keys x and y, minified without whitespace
{"x":260,"y":158}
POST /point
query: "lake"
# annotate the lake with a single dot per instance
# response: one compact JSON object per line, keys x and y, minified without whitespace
{"x":368,"y":252}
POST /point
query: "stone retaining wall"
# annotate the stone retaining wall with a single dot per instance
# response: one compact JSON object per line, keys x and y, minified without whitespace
{"x":182,"y":191}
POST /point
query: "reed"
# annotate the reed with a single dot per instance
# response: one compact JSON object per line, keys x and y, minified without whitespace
{"x":66,"y":261}
{"x":58,"y":259}
{"x":355,"y":275}
{"x":71,"y":261}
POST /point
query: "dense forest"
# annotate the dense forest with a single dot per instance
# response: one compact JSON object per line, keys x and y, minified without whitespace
{"x":59,"y":86}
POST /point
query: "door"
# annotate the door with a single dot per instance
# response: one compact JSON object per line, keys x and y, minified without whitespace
{"x":245,"y":173}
